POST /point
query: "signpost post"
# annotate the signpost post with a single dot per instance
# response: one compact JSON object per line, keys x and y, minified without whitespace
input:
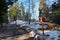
{"x":42,"y":20}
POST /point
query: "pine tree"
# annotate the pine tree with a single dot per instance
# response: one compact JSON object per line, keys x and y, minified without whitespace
{"x":56,"y":12}
{"x":13,"y":12}
{"x":41,"y":7}
{"x":21,"y":13}
{"x":3,"y":10}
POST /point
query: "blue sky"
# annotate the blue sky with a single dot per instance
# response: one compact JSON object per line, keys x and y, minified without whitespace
{"x":36,"y":12}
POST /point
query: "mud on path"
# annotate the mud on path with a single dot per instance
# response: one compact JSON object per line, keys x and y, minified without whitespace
{"x":18,"y":37}
{"x":15,"y":33}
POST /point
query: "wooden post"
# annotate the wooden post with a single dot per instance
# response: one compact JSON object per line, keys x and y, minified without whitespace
{"x":43,"y":19}
{"x":42,"y":31}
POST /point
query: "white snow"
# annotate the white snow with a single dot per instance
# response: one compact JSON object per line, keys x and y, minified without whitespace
{"x":53,"y":34}
{"x":17,"y":22}
{"x":35,"y":25}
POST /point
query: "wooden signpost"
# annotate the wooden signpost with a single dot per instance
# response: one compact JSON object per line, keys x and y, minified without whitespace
{"x":42,"y":20}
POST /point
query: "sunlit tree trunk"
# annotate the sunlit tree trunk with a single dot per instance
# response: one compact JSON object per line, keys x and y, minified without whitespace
{"x":33,"y":8}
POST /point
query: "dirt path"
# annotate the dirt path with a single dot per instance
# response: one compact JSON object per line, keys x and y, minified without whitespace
{"x":19,"y":37}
